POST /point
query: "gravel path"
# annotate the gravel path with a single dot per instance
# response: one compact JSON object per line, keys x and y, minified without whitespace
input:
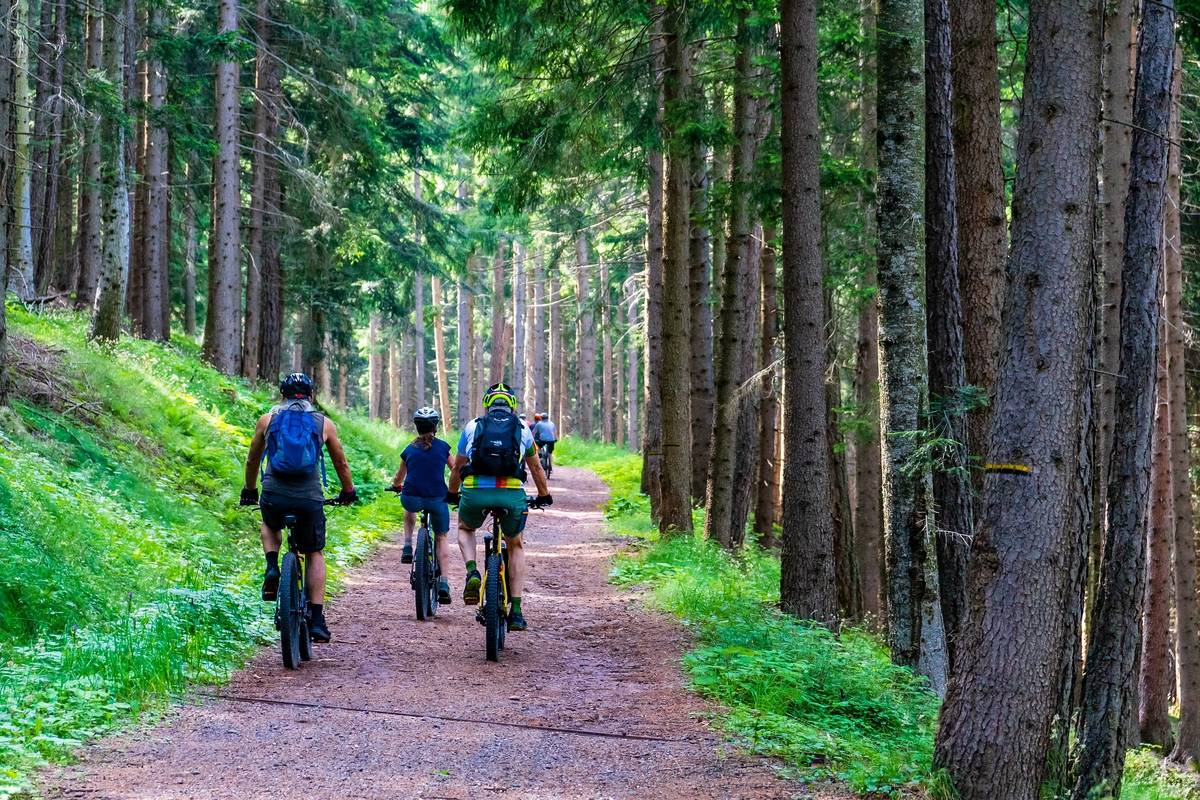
{"x":593,"y":660}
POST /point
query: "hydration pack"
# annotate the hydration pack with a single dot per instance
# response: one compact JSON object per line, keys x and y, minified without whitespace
{"x":295,"y":443}
{"x":497,"y":445}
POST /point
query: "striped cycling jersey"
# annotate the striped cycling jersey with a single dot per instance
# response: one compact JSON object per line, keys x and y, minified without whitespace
{"x":466,"y":444}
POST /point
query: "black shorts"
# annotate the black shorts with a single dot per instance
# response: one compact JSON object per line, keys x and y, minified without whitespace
{"x":547,"y":446}
{"x":309,"y":531}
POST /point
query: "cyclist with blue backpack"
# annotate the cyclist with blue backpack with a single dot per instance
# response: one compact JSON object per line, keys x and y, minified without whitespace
{"x":490,"y":465}
{"x":289,"y":448}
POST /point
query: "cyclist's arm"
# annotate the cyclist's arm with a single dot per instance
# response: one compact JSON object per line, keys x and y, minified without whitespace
{"x":336,"y":454}
{"x":534,"y":465}
{"x":456,"y":473}
{"x":398,"y":481}
{"x":257,"y":445}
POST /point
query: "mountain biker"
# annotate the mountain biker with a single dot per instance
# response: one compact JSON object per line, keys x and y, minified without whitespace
{"x":493,"y":453}
{"x":421,"y":481}
{"x":545,"y":434}
{"x":287,"y":446}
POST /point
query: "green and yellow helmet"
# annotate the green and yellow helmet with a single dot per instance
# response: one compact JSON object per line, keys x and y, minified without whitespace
{"x":499,"y":393}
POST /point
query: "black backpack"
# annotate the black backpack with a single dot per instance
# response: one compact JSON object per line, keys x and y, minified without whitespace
{"x":497,"y":451}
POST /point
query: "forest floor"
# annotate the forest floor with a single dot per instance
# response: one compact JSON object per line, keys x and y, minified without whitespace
{"x":589,"y":703}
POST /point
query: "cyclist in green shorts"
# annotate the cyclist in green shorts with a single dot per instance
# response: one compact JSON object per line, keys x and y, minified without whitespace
{"x":494,"y":452}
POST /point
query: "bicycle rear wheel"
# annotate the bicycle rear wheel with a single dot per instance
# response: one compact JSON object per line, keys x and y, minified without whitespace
{"x":493,"y":615}
{"x":291,"y":611}
{"x":424,"y":583}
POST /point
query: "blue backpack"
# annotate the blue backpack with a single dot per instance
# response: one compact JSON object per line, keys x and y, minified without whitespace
{"x":295,"y":444}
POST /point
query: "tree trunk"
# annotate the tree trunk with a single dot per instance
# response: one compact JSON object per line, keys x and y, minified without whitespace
{"x":397,"y":379}
{"x":529,"y":399}
{"x":466,"y":313}
{"x":189,"y":256}
{"x":496,"y":371}
{"x":1116,"y":140}
{"x":419,"y":384}
{"x":995,"y":724}
{"x":944,"y":322}
{"x":155,"y":254}
{"x":845,"y":566}
{"x":868,"y":475}
{"x":270,"y":353}
{"x":266,"y":124}
{"x":90,"y":235}
{"x":541,"y":396}
{"x":6,"y":80}
{"x":768,"y":408}
{"x":1187,"y":602}
{"x":701,"y":337}
{"x":114,"y":260}
{"x":979,"y":204}
{"x":1113,"y":650}
{"x":136,"y":167}
{"x":607,"y":394}
{"x":518,"y":326}
{"x":374,"y":369}
{"x":807,"y":588}
{"x":632,"y":386}
{"x":558,"y":383}
{"x":652,"y":432}
{"x":222,"y":323}
{"x":585,"y":337}
{"x":915,"y":629}
{"x":439,"y":352}
{"x":62,"y":259}
{"x":51,"y":228}
{"x":21,"y":237}
{"x":737,"y":302}
{"x":1155,"y":678}
{"x":674,"y":383}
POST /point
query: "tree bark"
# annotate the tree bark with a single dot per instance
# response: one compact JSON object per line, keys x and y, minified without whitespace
{"x":1156,"y":675}
{"x":90,"y":235}
{"x":189,"y":256}
{"x":845,"y":567}
{"x":51,"y":231}
{"x":21,"y":237}
{"x":374,"y":369}
{"x":674,"y":384}
{"x":632,"y":386}
{"x":1187,"y":602}
{"x":652,"y":432}
{"x":419,"y":382}
{"x":979,"y":204}
{"x":807,"y":587}
{"x":518,"y":326}
{"x":155,"y":261}
{"x":768,"y":409}
{"x":465,"y":348}
{"x":541,"y":396}
{"x":114,"y":260}
{"x":222,"y":323}
{"x":607,"y":395}
{"x":585,"y":337}
{"x":397,"y":378}
{"x":737,"y":302}
{"x":439,"y":351}
{"x":1109,"y":702}
{"x":1116,"y":140}
{"x":944,"y":321}
{"x":558,"y":373}
{"x":995,"y":724}
{"x":868,"y":477}
{"x":266,"y":126}
{"x":701,"y":336}
{"x":496,"y":367}
{"x":915,"y":630}
{"x":270,"y":352}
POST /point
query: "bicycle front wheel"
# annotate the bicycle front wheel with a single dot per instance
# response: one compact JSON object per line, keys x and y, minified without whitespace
{"x":493,"y":615}
{"x":424,"y":583}
{"x":291,"y":610}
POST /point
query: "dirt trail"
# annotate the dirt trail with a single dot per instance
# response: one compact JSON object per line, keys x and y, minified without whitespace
{"x":592,"y":659}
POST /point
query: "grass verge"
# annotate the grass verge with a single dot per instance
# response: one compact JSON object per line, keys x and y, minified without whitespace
{"x":830,"y":706}
{"x":129,"y":570}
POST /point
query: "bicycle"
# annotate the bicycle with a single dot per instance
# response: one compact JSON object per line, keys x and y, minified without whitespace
{"x":546,"y":457}
{"x":493,"y":600}
{"x":426,"y":569}
{"x":291,"y":602}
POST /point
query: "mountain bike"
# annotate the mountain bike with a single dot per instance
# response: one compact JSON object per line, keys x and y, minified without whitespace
{"x":493,"y":600}
{"x":291,"y":602}
{"x":426,"y":569}
{"x":547,"y":459}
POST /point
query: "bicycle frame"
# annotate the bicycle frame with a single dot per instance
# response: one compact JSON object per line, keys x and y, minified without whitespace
{"x":493,"y":544}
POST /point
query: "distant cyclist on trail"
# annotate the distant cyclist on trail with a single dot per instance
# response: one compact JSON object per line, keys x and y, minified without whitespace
{"x":288,"y":447}
{"x":545,"y":434}
{"x":421,"y":481}
{"x":494,"y":452}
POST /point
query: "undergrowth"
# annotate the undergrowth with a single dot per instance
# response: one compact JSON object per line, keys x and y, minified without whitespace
{"x":129,"y":569}
{"x":830,"y":706}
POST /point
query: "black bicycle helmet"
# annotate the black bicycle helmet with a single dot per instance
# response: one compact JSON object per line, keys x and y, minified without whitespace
{"x":296,"y":386}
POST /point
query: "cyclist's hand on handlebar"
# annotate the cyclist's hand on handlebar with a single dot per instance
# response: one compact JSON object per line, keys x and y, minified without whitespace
{"x":394,"y":488}
{"x":541,"y":501}
{"x":249,"y":497}
{"x":453,"y":498}
{"x":346,"y":497}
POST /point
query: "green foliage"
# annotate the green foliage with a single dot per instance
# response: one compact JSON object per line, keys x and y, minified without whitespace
{"x":129,"y":569}
{"x":1148,"y":778}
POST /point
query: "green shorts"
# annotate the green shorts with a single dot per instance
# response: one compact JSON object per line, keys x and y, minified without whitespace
{"x":476,"y":499}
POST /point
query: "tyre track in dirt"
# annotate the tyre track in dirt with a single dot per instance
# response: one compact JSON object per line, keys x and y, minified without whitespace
{"x":593,"y":659}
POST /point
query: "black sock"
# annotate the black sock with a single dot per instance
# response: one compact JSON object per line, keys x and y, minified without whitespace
{"x":273,"y":560}
{"x":316,"y":610}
